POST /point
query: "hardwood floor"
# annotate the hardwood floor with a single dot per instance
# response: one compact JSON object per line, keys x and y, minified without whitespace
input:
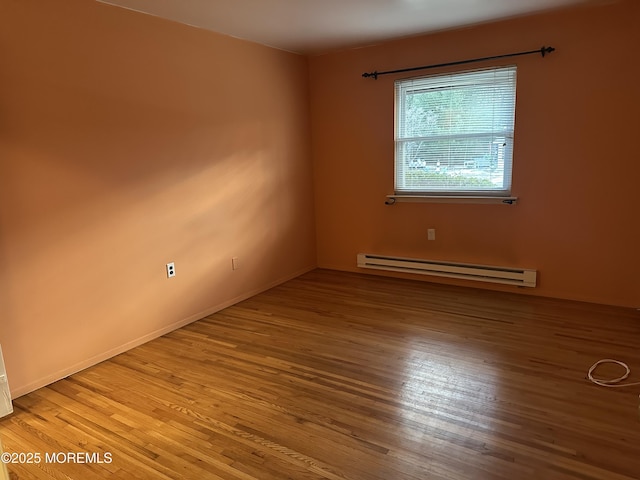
{"x":343,"y":376}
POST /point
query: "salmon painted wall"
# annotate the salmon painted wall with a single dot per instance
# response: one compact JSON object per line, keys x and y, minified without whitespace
{"x":127,"y":142}
{"x":576,"y":162}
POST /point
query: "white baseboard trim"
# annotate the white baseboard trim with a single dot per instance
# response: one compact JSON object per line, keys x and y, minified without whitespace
{"x":54,"y":377}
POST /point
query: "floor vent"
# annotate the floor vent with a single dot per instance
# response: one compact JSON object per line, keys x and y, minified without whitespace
{"x":483,"y":273}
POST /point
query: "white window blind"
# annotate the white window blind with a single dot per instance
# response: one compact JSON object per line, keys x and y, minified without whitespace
{"x":454,"y":133}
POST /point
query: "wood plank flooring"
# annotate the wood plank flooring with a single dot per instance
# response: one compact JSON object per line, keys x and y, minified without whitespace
{"x":351,"y":377}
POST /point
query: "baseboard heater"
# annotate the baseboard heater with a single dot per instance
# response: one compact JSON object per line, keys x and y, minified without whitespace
{"x":483,"y":273}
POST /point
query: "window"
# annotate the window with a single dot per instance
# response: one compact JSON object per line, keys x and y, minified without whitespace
{"x":454,"y":133}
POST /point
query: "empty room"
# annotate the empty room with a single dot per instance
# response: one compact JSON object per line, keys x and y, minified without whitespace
{"x":312,"y":239}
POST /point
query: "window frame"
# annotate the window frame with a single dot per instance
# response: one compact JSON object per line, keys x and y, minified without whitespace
{"x":403,"y":87}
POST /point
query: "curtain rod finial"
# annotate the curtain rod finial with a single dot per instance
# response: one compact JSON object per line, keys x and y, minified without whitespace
{"x":545,"y":50}
{"x":372,"y":74}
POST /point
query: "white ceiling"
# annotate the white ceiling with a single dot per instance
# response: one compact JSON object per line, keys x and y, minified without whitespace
{"x":316,"y":26}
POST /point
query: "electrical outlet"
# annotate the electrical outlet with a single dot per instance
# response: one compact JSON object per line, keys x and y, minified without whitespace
{"x":171,"y":270}
{"x":431,"y":234}
{"x":235,"y":263}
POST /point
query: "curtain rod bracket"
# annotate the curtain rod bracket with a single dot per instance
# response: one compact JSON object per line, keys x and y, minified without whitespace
{"x":545,"y":50}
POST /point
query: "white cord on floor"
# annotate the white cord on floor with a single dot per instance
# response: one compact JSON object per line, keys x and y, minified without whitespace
{"x":614,"y":382}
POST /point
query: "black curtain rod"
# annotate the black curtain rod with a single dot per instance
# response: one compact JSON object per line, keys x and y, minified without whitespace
{"x":542,"y":51}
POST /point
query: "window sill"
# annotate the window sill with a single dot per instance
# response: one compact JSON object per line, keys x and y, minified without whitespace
{"x":392,"y":199}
